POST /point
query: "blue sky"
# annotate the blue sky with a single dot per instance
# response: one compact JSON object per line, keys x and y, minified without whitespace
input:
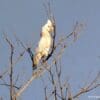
{"x":80,"y":60}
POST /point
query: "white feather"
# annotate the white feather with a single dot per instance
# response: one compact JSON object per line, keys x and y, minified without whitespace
{"x":45,"y":42}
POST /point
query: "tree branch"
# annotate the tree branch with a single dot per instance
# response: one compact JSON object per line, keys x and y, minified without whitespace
{"x":10,"y":86}
{"x":11,"y":65}
{"x":89,"y":88}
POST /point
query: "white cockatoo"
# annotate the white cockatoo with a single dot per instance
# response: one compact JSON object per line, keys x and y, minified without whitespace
{"x":45,"y":43}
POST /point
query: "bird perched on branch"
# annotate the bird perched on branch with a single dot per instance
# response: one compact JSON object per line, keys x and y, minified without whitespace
{"x":45,"y":43}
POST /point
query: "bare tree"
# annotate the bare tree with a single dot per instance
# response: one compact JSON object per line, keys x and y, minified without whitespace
{"x":59,"y":90}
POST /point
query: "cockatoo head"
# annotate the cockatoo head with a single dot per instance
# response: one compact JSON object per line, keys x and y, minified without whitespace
{"x":48,"y":27}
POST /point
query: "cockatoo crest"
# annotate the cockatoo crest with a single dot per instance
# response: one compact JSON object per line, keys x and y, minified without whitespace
{"x":45,"y":43}
{"x":47,"y":28}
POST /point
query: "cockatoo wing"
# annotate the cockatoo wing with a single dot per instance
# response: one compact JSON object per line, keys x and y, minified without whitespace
{"x":45,"y":42}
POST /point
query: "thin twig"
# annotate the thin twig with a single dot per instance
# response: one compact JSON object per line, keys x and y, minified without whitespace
{"x":11,"y":72}
{"x":10,"y":86}
{"x":59,"y":80}
{"x":11,"y":65}
{"x":55,"y":93}
{"x":89,"y":88}
{"x":45,"y":91}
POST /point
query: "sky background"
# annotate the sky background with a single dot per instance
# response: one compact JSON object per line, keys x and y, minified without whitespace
{"x":80,"y":60}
